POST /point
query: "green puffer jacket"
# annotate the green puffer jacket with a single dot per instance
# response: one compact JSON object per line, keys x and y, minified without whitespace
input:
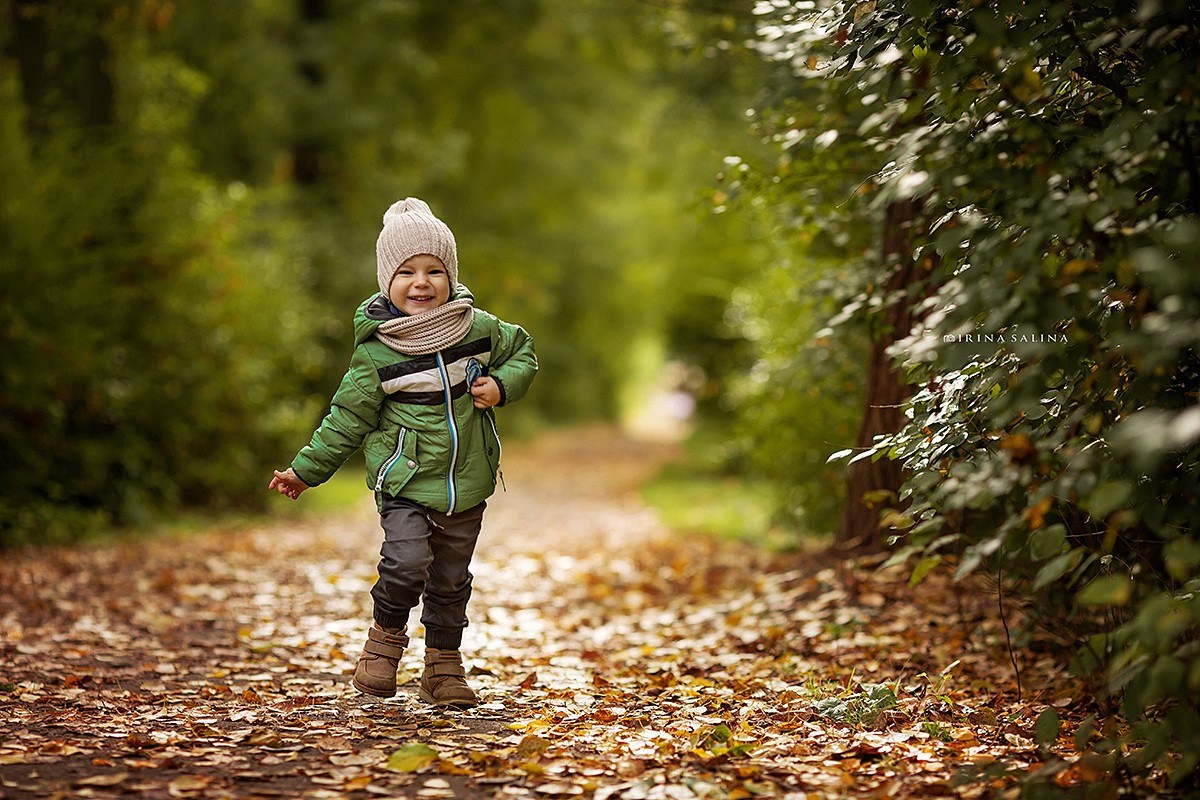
{"x":414,"y":418}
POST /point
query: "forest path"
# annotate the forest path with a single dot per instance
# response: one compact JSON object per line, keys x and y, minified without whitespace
{"x":612,"y":659}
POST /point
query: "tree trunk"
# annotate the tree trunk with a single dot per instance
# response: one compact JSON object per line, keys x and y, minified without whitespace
{"x":65,"y":62}
{"x":95,"y":88}
{"x":28,"y":47}
{"x":886,"y":390}
{"x":310,"y":148}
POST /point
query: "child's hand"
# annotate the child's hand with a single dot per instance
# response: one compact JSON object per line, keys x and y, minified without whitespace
{"x":485,"y":392}
{"x":288,"y":482}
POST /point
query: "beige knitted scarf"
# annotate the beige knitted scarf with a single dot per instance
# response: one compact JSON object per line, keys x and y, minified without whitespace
{"x":427,"y":333}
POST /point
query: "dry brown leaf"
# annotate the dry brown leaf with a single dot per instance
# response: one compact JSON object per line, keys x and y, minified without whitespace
{"x":189,"y":785}
{"x":107,"y":779}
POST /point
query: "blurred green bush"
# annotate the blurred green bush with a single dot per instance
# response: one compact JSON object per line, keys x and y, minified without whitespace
{"x":152,"y":332}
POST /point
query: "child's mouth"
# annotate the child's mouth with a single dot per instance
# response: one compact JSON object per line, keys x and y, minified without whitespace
{"x":421,"y":299}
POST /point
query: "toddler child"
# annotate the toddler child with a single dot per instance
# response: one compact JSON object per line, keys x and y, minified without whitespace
{"x":428,"y":369}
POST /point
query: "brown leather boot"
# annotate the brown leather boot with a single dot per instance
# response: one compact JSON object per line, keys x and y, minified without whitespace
{"x":444,"y":681}
{"x":376,"y":670}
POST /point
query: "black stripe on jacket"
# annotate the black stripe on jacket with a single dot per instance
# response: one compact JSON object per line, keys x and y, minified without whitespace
{"x":423,"y":363}
{"x":428,"y":398}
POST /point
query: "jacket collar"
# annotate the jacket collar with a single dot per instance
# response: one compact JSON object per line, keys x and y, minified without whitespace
{"x":381,"y":309}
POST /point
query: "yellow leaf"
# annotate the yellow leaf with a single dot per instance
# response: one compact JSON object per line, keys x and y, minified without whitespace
{"x":1035,"y":514}
{"x":1078,"y":265}
{"x":450,"y":768}
{"x":412,"y":757}
{"x":357,"y":784}
{"x":532,"y":746}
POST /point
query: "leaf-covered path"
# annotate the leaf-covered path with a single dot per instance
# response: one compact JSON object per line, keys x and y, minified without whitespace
{"x":613,"y":660}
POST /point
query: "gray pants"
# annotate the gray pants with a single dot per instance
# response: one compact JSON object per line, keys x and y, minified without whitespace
{"x":425,"y":557}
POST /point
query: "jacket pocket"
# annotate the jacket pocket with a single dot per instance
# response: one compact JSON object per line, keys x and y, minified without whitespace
{"x":396,"y":470}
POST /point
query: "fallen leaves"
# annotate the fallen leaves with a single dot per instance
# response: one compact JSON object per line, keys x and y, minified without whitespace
{"x":614,"y":662}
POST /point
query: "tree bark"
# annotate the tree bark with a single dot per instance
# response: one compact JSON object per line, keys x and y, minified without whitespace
{"x":885,"y":391}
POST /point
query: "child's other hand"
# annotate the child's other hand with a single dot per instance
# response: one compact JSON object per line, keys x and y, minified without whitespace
{"x":485,"y":392}
{"x":288,"y":482}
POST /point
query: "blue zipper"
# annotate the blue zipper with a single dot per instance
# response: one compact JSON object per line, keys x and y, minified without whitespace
{"x":452,"y":490}
{"x":391,"y":462}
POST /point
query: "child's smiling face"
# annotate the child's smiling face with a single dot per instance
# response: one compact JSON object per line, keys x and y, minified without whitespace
{"x":421,"y":284}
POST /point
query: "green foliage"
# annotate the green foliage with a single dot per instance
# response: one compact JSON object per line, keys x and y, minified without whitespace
{"x":858,"y":708}
{"x":937,"y":730}
{"x":800,"y":397}
{"x":1055,"y":432}
{"x":786,"y":379}
{"x":189,"y":198}
{"x":120,"y":371}
{"x":782,"y":393}
{"x":719,"y":741}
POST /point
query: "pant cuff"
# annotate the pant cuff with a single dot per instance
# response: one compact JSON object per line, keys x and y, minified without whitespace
{"x":443,"y":638}
{"x":386,"y":620}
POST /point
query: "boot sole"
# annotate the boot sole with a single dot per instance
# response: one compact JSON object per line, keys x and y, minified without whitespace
{"x":370,"y":691}
{"x":431,"y":700}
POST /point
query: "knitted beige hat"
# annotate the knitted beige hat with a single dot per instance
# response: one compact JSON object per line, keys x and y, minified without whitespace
{"x":411,"y":229}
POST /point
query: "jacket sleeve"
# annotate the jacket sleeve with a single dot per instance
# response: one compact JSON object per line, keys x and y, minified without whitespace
{"x":514,"y":363}
{"x":353,"y":413}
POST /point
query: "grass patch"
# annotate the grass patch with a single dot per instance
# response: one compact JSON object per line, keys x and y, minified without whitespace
{"x":344,"y":491}
{"x":937,"y":730}
{"x":724,"y":507}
